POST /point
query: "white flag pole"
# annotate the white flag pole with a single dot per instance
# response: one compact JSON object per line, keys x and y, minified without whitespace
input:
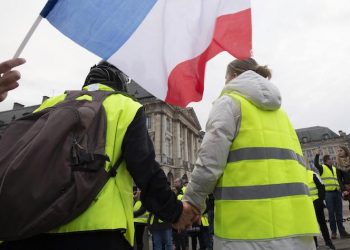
{"x":28,"y":36}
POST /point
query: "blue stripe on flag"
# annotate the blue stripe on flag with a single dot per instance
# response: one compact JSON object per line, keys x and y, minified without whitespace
{"x":101,"y":26}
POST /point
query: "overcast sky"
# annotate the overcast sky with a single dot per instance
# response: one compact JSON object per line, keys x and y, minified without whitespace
{"x":306,"y":43}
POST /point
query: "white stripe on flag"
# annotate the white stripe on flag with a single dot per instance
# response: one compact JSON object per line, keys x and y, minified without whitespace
{"x":173,"y":32}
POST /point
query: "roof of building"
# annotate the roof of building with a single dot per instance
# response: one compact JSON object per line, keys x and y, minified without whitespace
{"x":145,"y":97}
{"x":140,"y":93}
{"x":316,"y":133}
{"x":12,"y":114}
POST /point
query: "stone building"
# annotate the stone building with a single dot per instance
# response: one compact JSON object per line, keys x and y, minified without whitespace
{"x":314,"y":138}
{"x":175,"y":132}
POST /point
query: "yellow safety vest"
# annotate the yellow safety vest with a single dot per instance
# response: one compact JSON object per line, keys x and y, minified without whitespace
{"x":143,"y":218}
{"x":312,"y":186}
{"x":179,"y":196}
{"x":113,"y":207}
{"x":263,"y":192}
{"x":204,"y":220}
{"x":330,"y":180}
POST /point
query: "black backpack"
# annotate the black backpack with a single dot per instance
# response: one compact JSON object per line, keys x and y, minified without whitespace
{"x":52,"y":165}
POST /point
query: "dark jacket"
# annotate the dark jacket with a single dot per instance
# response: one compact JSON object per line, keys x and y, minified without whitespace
{"x":138,"y":152}
{"x":343,"y":178}
{"x":320,"y":188}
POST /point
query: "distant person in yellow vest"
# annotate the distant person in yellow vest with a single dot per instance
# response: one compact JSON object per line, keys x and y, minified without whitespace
{"x":108,"y":222}
{"x":333,"y":196}
{"x":8,"y":76}
{"x":180,"y":236}
{"x":140,"y":220}
{"x":251,"y":159}
{"x":317,"y":194}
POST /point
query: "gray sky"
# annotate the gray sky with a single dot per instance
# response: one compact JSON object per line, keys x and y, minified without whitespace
{"x":306,"y":43}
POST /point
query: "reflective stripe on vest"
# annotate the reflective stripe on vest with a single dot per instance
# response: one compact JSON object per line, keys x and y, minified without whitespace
{"x":261,"y":191}
{"x":265,"y":153}
{"x":143,"y":218}
{"x":330,"y":180}
{"x":264,"y":186}
{"x":113,"y":208}
{"x":312,"y":186}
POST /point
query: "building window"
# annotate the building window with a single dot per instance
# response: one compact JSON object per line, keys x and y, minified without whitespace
{"x":309,"y":153}
{"x":168,"y":147}
{"x":148,"y":122}
{"x":325,"y":137}
{"x":304,"y":139}
{"x":330,"y":150}
{"x":168,"y":125}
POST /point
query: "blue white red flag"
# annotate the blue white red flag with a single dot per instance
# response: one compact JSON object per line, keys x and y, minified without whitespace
{"x":163,"y":45}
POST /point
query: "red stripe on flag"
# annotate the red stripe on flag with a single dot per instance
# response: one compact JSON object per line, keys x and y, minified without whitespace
{"x":233,"y":33}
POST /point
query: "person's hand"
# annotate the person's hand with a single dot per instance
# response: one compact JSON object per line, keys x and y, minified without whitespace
{"x":9,"y":77}
{"x":319,"y":151}
{"x":189,"y":215}
{"x":345,"y":193}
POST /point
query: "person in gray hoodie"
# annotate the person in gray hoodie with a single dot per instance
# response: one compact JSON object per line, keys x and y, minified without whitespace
{"x":251,"y":159}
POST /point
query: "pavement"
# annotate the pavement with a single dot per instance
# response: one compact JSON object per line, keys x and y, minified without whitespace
{"x":340,"y":244}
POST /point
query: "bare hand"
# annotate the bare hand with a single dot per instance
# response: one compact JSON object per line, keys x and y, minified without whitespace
{"x":345,"y":193}
{"x":9,"y":77}
{"x":189,"y":215}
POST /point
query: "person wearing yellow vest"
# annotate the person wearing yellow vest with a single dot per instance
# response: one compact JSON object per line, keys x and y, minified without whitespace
{"x":180,"y":236}
{"x":250,"y":157}
{"x":317,"y":194}
{"x":108,"y":222}
{"x":140,"y":220}
{"x":333,"y":196}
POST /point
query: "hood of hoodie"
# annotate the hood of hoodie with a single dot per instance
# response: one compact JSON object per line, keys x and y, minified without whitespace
{"x":257,"y":89}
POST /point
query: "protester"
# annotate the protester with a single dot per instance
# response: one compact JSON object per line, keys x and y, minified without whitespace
{"x":161,"y":233}
{"x":317,"y":194}
{"x":108,"y":222}
{"x":9,"y":77}
{"x":140,"y":220}
{"x":333,"y":197}
{"x":250,"y":157}
{"x":180,"y":236}
{"x":343,"y":171}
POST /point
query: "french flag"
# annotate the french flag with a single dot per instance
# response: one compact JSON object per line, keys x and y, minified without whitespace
{"x":162,"y":44}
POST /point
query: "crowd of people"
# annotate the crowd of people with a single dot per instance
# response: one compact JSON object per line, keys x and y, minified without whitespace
{"x":250,"y":161}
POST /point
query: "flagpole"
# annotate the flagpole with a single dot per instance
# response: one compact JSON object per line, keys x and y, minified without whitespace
{"x":28,"y":36}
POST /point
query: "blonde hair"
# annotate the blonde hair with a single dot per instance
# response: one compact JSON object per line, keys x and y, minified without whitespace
{"x":237,"y":67}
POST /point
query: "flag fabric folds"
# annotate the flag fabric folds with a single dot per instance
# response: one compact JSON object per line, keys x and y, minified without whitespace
{"x":162,"y":44}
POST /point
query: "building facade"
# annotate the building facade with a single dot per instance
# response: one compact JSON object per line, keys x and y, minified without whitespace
{"x":314,"y":138}
{"x":175,"y":132}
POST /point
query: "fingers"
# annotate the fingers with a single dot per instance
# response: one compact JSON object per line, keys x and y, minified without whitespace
{"x":9,"y":77}
{"x":188,"y":216}
{"x":9,"y":64}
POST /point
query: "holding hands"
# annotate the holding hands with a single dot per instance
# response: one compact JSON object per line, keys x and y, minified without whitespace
{"x":9,"y":77}
{"x":189,"y":215}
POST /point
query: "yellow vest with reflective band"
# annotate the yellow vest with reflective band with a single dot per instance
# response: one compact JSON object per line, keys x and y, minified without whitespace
{"x":143,"y":218}
{"x":330,"y":180}
{"x":151,"y":221}
{"x":204,"y":220}
{"x":312,"y":186}
{"x":179,"y":196}
{"x":113,"y":207}
{"x":263,"y":192}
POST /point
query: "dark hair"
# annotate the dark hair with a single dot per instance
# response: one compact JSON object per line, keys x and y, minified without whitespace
{"x":237,"y":67}
{"x":326,"y":158}
{"x":107,"y":74}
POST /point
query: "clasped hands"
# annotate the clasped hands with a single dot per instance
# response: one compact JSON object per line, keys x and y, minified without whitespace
{"x":190,"y":214}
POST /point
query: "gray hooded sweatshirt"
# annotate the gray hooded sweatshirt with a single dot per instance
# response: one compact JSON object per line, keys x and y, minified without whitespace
{"x":222,"y":127}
